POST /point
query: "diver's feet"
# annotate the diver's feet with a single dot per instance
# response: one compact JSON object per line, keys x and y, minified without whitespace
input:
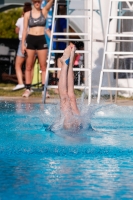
{"x":65,"y":59}
{"x":73,"y":49}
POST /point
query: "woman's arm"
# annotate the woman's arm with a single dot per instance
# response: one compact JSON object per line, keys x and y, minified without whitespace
{"x":25,"y":27}
{"x":18,"y":24}
{"x":47,"y":7}
{"x":17,"y":30}
{"x":48,"y":32}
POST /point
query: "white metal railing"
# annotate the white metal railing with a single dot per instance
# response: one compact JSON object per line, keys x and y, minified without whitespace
{"x":88,"y":37}
{"x":120,"y":54}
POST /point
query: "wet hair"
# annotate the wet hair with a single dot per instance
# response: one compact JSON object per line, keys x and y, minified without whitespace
{"x":78,"y":44}
{"x":27,"y":7}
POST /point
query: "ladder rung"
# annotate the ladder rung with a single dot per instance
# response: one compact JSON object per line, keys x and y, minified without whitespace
{"x":124,"y":57}
{"x":83,"y":9}
{"x":121,"y":35}
{"x":122,"y":0}
{"x":72,"y":16}
{"x":84,"y":87}
{"x":125,"y":9}
{"x":118,"y":70}
{"x":119,"y":52}
{"x":118,"y":41}
{"x":121,"y":17}
{"x":77,"y":51}
{"x":116,"y":88}
{"x":75,"y":87}
{"x":70,"y":39}
{"x":74,"y":69}
{"x":66,"y":34}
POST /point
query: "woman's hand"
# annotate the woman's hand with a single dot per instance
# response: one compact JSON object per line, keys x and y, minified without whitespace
{"x":51,"y":0}
{"x":23,"y":49}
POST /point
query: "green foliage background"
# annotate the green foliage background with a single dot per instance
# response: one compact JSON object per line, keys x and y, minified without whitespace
{"x":8,"y":20}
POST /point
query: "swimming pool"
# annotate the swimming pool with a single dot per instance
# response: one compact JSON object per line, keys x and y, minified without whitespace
{"x":36,"y":163}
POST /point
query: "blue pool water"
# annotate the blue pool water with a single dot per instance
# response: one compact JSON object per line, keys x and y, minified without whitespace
{"x":37,"y":163}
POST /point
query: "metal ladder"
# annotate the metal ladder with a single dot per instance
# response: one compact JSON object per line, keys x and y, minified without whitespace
{"x":117,"y":54}
{"x":88,"y":37}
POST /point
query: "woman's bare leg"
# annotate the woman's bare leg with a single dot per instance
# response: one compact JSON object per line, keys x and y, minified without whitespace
{"x":28,"y":72}
{"x":18,"y":67}
{"x":71,"y":84}
{"x":29,"y":65}
{"x":42,"y":57}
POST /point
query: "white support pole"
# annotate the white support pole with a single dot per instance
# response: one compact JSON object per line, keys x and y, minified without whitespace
{"x":103,"y":63}
{"x":129,"y":5}
{"x":49,"y":54}
{"x":104,"y":45}
{"x":100,"y":8}
{"x":91,"y":49}
{"x":88,"y":45}
{"x":106,"y":59}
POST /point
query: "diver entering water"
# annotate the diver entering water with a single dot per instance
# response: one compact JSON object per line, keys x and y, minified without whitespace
{"x":68,"y":103}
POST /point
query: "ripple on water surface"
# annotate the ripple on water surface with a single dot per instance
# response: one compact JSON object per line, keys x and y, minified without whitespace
{"x":37,"y":163}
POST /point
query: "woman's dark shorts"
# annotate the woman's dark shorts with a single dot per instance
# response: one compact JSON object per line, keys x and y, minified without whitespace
{"x":36,"y":42}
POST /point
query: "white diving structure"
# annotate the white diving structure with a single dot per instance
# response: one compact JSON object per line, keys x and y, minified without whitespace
{"x":86,"y":35}
{"x":121,"y":39}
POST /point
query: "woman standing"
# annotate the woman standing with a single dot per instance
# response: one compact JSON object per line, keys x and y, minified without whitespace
{"x":35,"y":40}
{"x":20,"y":58}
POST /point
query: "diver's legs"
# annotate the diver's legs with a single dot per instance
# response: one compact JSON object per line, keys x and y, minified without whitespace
{"x":62,"y":86}
{"x":64,"y":70}
{"x":71,"y":83}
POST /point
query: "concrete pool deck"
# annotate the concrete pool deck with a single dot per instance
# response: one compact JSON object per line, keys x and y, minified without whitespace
{"x":30,"y":100}
{"x":120,"y":102}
